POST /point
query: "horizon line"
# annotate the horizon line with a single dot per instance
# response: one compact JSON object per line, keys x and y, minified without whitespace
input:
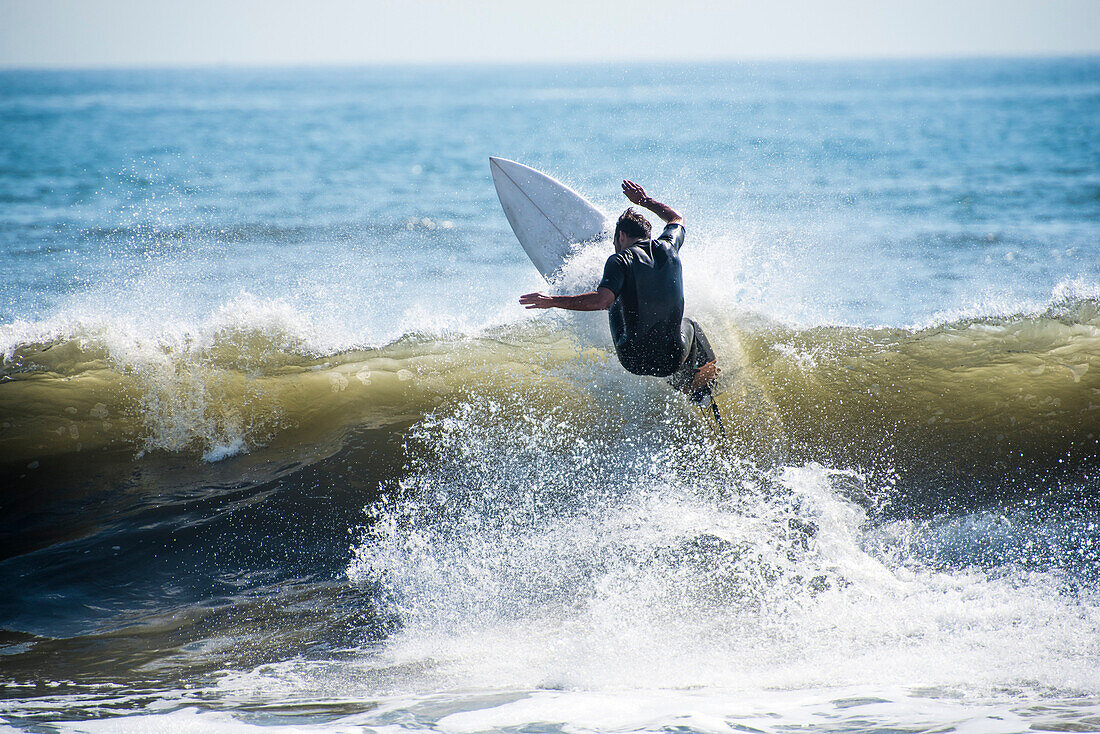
{"x":565,"y":63}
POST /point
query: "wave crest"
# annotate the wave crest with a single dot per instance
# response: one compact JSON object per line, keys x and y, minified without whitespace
{"x":991,"y":391}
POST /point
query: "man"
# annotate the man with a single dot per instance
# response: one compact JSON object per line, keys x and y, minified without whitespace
{"x":643,"y":288}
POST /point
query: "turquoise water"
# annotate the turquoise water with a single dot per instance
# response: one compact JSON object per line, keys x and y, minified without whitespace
{"x":870,"y":193}
{"x":280,"y":449}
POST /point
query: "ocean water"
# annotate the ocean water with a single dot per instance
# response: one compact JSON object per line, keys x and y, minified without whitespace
{"x":279,"y":450}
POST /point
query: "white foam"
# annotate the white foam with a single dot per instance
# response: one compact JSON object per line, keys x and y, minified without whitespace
{"x":706,"y":711}
{"x":670,"y":567}
{"x":725,"y":712}
{"x":190,"y":720}
{"x":225,"y":451}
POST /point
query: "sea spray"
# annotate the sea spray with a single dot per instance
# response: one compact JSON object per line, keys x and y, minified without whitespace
{"x":532,"y":558}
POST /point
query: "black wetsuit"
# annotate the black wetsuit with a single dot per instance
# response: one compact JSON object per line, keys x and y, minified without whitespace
{"x":651,"y":335}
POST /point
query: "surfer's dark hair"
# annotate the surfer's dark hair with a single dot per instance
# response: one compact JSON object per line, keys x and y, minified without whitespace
{"x":633,"y":224}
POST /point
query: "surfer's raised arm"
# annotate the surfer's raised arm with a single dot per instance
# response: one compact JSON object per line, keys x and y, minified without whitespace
{"x":637,"y":195}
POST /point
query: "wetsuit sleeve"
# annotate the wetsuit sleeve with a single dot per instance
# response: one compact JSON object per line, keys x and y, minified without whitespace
{"x":674,"y":236}
{"x":614,"y":275}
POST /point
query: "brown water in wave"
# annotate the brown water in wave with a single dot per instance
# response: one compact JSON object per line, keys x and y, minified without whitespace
{"x":971,"y":396}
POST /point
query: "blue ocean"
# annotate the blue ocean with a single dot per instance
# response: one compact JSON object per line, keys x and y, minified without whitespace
{"x":280,"y":451}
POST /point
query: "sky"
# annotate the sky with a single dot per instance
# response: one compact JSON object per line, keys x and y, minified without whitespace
{"x":139,"y":33}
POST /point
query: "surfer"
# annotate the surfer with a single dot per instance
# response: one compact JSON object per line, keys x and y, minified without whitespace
{"x":643,"y":288}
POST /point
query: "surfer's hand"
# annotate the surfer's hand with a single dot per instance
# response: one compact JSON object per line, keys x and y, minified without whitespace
{"x":537,"y":300}
{"x":635,"y":193}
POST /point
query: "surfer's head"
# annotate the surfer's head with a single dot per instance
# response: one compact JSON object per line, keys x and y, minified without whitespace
{"x":632,"y":225}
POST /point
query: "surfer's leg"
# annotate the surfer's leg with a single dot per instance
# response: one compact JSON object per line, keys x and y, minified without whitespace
{"x":706,"y":368}
{"x":699,"y":372}
{"x":700,"y":369}
{"x":701,"y":351}
{"x":681,"y":378}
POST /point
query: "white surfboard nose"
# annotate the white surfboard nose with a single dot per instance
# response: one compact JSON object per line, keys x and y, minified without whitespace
{"x":549,"y":218}
{"x":512,"y":169}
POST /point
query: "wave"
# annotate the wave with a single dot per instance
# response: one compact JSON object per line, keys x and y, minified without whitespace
{"x":990,"y":393}
{"x":985,"y":392}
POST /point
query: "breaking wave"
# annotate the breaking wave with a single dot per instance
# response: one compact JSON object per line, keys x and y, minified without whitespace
{"x":990,"y":392}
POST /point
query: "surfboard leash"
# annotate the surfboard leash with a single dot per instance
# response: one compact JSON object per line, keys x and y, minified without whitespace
{"x":717,"y":418}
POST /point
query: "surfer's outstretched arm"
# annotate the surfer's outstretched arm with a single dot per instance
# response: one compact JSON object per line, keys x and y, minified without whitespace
{"x":637,"y":195}
{"x":597,"y":300}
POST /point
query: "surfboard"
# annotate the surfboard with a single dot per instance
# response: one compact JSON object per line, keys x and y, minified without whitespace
{"x":550,"y":219}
